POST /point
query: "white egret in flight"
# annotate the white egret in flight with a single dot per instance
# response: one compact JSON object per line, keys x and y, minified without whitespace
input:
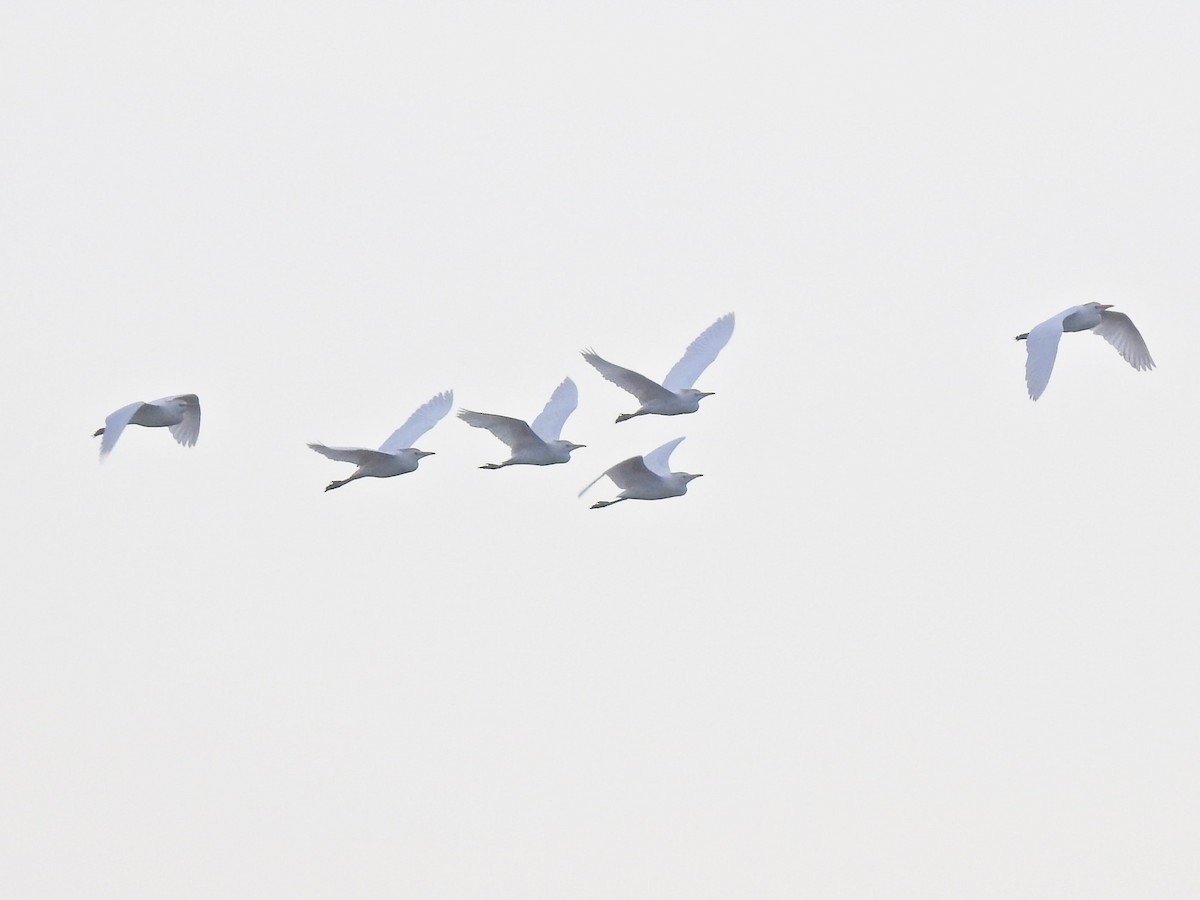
{"x":179,"y":414}
{"x":647,"y":477}
{"x":396,"y":455}
{"x":537,"y":444}
{"x":1041,"y":343}
{"x":675,"y":396}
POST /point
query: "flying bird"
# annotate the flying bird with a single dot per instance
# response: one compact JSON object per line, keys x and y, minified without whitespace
{"x":396,"y":455}
{"x":675,"y":396}
{"x":537,"y":444}
{"x":1041,"y":344}
{"x":645,"y":477}
{"x":179,"y":414}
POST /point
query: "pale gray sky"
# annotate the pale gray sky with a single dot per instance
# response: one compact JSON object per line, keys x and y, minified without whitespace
{"x":911,"y":636}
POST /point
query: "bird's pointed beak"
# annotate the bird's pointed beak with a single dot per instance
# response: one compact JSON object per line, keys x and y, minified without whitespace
{"x":1107,"y":305}
{"x":708,"y":393}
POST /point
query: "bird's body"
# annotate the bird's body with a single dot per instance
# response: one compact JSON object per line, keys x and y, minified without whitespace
{"x":646,"y":477}
{"x":675,"y":396}
{"x":1041,"y":342}
{"x":395,"y":456}
{"x":537,"y":444}
{"x":180,"y":414}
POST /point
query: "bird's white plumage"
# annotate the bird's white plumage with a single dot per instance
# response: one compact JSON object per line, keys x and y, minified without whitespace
{"x":114,"y":424}
{"x":675,"y":396}
{"x":658,"y":460}
{"x":536,"y":445}
{"x":514,"y":432}
{"x":640,"y":386}
{"x":1118,"y":329}
{"x":549,"y":423}
{"x":1041,"y":350}
{"x":357,"y":455}
{"x":645,"y":477}
{"x":179,"y":414}
{"x":700,"y":354}
{"x":1041,"y":343}
{"x":426,"y":416}
{"x":396,"y":456}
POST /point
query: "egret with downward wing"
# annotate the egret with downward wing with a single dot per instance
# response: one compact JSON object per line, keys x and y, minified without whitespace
{"x":180,"y":414}
{"x":1041,"y":343}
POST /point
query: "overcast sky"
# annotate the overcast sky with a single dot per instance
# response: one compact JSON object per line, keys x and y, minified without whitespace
{"x":912,"y":635}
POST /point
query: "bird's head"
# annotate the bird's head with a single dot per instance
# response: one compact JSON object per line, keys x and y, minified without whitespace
{"x":569,"y":447}
{"x":687,"y":476}
{"x":1101,"y":305}
{"x":421,"y":454}
{"x":699,"y":395}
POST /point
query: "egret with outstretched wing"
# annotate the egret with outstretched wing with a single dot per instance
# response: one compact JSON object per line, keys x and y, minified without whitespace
{"x":675,"y":396}
{"x":537,"y":444}
{"x":179,"y":414}
{"x":646,"y":477}
{"x":1041,"y":342}
{"x":396,"y":455}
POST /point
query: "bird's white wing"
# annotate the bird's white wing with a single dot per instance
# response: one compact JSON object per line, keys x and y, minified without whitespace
{"x":632,"y":473}
{"x":419,"y":423}
{"x":115,"y":424}
{"x":356,"y":455}
{"x":513,"y":432}
{"x":187,"y":430}
{"x":658,"y":460}
{"x":625,"y":474}
{"x":1118,"y":329}
{"x":700,"y":354}
{"x":1041,"y":347}
{"x":549,"y":423}
{"x":626,"y":379}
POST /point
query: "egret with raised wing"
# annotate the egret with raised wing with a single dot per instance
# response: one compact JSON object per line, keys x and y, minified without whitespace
{"x":675,"y":396}
{"x":396,"y":455}
{"x":646,"y":477}
{"x":537,"y":444}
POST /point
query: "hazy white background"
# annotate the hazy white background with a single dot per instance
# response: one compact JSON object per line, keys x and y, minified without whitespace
{"x":912,"y":635}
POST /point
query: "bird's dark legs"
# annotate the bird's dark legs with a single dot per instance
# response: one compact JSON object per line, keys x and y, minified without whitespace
{"x":600,"y":504}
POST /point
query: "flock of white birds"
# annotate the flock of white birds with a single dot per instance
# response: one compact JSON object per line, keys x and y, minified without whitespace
{"x":644,"y":477}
